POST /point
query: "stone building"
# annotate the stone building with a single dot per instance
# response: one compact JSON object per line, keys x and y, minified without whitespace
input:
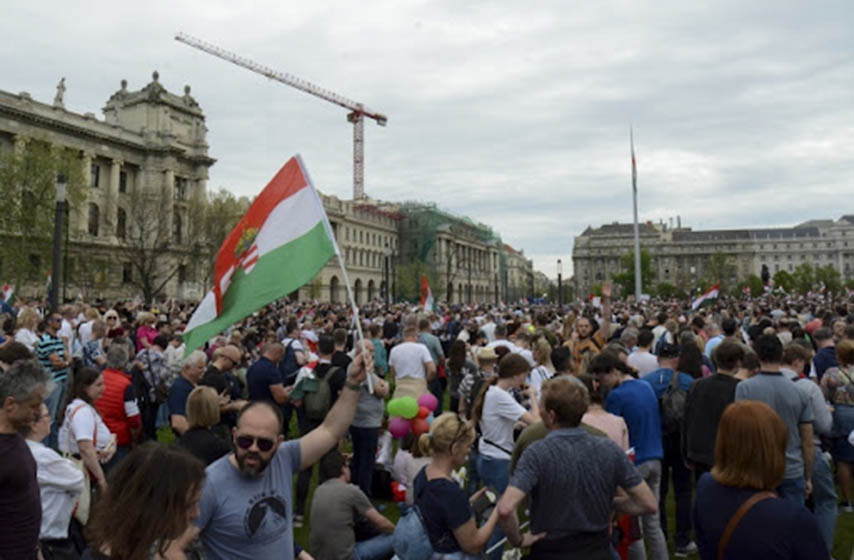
{"x":681,"y":256}
{"x":150,"y":141}
{"x":519,"y":282}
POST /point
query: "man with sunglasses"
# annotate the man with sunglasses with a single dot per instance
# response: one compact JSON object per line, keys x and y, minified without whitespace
{"x":246,"y":508}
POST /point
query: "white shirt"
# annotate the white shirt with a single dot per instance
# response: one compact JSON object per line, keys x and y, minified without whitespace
{"x":80,"y":424}
{"x":28,"y":338}
{"x":657,"y":332}
{"x":643,"y":361}
{"x":85,"y":332}
{"x":409,"y":359}
{"x":537,"y":377}
{"x":489,"y":330}
{"x":500,"y":414}
{"x":503,"y":342}
{"x":60,"y":484}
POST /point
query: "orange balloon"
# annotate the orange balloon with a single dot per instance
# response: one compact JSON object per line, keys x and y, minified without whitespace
{"x":420,"y":426}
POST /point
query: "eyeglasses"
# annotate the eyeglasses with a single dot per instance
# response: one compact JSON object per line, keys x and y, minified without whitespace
{"x":264,"y":444}
{"x":112,"y":318}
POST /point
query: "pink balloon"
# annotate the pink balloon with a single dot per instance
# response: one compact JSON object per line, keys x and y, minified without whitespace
{"x":428,"y":401}
{"x":399,"y":427}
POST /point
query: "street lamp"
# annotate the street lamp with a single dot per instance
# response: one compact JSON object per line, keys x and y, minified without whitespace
{"x":386,"y":271}
{"x":56,"y":273}
{"x":559,"y":282}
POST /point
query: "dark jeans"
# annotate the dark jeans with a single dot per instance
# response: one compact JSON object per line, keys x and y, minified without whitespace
{"x":121,"y":452}
{"x":437,"y":387}
{"x":304,"y":477}
{"x":673,"y":465}
{"x":364,"y":457}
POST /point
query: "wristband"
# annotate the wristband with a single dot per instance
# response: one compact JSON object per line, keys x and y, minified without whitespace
{"x":353,"y":386}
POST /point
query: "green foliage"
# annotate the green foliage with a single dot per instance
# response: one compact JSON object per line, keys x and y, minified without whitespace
{"x":719,"y":270}
{"x":666,"y":290}
{"x":829,"y":277}
{"x":804,"y":278}
{"x":409,"y":281}
{"x":28,"y":191}
{"x":783,"y":280}
{"x":217,"y":216}
{"x":754,"y":283}
{"x":626,"y":279}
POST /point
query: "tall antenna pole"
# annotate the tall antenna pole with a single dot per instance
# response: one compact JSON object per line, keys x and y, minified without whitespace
{"x":638,"y":282}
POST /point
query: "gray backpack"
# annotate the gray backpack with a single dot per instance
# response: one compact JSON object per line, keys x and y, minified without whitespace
{"x":673,"y":406}
{"x":318,"y":402}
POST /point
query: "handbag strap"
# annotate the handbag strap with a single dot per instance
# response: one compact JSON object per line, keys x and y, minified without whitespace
{"x":68,"y":432}
{"x":736,"y":518}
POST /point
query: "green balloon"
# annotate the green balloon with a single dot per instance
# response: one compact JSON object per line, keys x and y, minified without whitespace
{"x":393,"y":407}
{"x":408,"y":408}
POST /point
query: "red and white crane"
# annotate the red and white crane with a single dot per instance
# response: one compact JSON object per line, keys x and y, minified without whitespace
{"x":357,"y":113}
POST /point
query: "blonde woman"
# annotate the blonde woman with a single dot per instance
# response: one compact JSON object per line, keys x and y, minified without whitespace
{"x":445,"y":508}
{"x":544,"y":369}
{"x":202,"y":415}
{"x":28,"y":321}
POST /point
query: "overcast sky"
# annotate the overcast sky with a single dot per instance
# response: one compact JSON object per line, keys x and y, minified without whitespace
{"x":516,"y":114}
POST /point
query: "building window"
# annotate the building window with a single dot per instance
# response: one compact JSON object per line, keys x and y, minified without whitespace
{"x":93,"y":219}
{"x":182,"y":274}
{"x":121,"y":223}
{"x":123,"y":181}
{"x":177,"y":228}
{"x":127,"y":273}
{"x":96,"y":176}
{"x":180,"y":188}
{"x":35,"y":267}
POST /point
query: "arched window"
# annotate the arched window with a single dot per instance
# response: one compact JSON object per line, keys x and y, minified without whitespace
{"x":357,"y":289}
{"x":333,"y":289}
{"x":176,"y":227}
{"x":94,"y":219}
{"x":121,"y":223}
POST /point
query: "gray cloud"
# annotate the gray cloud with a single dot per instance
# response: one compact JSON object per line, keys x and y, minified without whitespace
{"x":515,"y":114}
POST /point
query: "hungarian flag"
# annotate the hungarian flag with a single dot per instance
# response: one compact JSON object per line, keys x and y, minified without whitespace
{"x":709,"y":298}
{"x":280,"y":244}
{"x":427,"y":303}
{"x":8,"y":293}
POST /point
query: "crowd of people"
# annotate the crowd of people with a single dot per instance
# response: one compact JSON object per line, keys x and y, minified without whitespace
{"x":576,"y":419}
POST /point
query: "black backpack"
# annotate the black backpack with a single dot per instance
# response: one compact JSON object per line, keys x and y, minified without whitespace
{"x":289,"y":367}
{"x":672,"y":406}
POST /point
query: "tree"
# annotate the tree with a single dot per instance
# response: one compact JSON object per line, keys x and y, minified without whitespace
{"x":784,"y":281}
{"x":666,"y":290}
{"x":829,"y":277}
{"x":719,"y":270}
{"x":409,"y":280}
{"x":754,"y":284}
{"x":217,"y":216}
{"x":804,"y":278}
{"x":626,"y":279}
{"x":28,"y":190}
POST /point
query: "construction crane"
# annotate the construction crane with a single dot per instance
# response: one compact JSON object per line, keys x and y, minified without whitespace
{"x":357,"y":113}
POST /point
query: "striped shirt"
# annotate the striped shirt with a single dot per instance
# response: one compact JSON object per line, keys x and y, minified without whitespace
{"x":47,"y":345}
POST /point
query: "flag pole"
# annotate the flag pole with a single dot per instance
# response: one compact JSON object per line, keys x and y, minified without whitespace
{"x":638,"y":283}
{"x":353,"y":305}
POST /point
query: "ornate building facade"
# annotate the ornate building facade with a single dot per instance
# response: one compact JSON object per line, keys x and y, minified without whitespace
{"x":150,"y":142}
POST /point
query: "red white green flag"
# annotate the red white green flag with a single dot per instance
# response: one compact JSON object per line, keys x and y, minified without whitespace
{"x":280,"y":244}
{"x":427,"y":303}
{"x":708,"y":298}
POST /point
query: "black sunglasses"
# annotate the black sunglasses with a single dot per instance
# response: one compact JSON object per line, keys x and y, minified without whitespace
{"x":264,"y":444}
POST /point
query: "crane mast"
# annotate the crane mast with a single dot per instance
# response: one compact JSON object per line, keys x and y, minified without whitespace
{"x":356,"y":116}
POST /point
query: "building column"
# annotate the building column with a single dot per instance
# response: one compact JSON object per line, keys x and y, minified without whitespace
{"x":82,"y":211}
{"x":112,"y":198}
{"x":169,"y":193}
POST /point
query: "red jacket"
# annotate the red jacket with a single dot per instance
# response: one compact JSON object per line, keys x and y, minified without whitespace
{"x":117,"y":405}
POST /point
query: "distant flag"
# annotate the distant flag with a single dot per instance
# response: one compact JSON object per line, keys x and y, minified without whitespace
{"x":596,"y":301}
{"x":281,"y":243}
{"x":427,"y":303}
{"x":8,"y":293}
{"x":708,"y":298}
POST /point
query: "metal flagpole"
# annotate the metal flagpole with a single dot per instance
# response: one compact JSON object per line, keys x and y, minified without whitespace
{"x":638,"y":283}
{"x":353,"y":305}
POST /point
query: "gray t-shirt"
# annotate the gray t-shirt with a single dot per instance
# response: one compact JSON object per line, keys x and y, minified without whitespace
{"x":249,"y":518}
{"x":338,"y":504}
{"x":433,"y":345}
{"x":369,"y":409}
{"x":790,"y":403}
{"x":571,"y":462}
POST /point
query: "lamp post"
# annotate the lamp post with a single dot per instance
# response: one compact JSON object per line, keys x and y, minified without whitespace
{"x":386,"y":273}
{"x":56,"y":273}
{"x":559,"y":282}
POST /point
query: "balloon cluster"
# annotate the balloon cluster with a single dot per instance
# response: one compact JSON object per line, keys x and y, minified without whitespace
{"x":407,"y":414}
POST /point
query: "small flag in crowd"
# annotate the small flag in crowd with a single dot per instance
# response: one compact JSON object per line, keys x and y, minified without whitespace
{"x":709,"y":298}
{"x":427,"y":303}
{"x":280,"y":244}
{"x":9,"y":293}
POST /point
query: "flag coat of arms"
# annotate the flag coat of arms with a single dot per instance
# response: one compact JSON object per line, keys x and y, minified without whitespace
{"x":427,"y":303}
{"x":709,"y":298}
{"x":279,"y":245}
